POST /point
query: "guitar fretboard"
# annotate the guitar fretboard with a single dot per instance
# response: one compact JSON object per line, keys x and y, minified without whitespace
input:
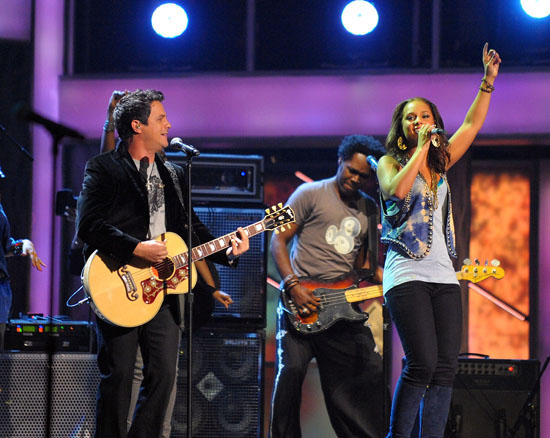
{"x":363,"y":293}
{"x":218,"y":244}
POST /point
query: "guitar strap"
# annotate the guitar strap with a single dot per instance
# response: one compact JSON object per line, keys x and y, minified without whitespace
{"x":172,"y":171}
{"x":370,"y":208}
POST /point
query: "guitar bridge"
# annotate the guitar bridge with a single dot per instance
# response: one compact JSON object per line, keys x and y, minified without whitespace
{"x":129,"y":284}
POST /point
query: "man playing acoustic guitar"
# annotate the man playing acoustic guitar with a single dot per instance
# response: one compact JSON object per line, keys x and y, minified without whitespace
{"x":335,"y":232}
{"x":129,"y":196}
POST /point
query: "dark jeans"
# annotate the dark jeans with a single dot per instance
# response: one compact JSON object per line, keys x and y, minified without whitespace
{"x":428,"y":318}
{"x":158,"y":341}
{"x":351,"y":379}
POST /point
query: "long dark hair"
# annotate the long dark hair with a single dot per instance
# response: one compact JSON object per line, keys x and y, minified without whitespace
{"x":438,"y":158}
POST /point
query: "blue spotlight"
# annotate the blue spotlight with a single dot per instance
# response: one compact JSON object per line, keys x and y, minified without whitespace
{"x":169,"y":20}
{"x":359,"y":17}
{"x":536,"y":8}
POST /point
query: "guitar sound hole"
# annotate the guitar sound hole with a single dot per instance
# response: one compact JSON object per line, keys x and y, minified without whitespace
{"x":164,"y":270}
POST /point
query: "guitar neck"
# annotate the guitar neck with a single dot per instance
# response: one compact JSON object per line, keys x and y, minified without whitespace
{"x":363,"y":293}
{"x":216,"y":245}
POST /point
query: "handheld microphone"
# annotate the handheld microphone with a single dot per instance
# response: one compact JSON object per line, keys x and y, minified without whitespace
{"x":372,"y":162}
{"x":437,"y":131}
{"x":188,"y":149}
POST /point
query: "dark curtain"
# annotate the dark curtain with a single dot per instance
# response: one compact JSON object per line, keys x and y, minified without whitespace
{"x":460,"y":179}
{"x":16,"y":188}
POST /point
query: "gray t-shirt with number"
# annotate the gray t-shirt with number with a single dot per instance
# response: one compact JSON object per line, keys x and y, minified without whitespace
{"x":330,"y":233}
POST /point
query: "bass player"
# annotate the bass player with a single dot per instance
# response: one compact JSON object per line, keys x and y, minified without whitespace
{"x":334,"y":234}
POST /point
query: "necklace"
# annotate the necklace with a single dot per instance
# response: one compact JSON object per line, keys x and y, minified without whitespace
{"x":433,"y":189}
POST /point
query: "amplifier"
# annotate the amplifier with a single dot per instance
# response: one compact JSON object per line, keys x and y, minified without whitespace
{"x":45,"y":334}
{"x":488,"y":398}
{"x":224,"y":177}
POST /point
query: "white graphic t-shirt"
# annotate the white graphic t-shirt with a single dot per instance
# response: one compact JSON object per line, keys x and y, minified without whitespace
{"x":330,"y":233}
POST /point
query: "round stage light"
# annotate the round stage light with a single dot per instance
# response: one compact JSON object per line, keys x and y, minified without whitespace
{"x":536,"y":8}
{"x":169,"y":20}
{"x":359,"y":17}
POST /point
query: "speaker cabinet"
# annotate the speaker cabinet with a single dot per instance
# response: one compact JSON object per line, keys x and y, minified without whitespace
{"x":247,"y":283}
{"x":227,"y":393}
{"x":47,"y":397}
{"x":488,"y":397}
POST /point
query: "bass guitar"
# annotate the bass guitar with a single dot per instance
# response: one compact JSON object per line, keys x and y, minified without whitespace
{"x":130,"y":295}
{"x":339,"y":296}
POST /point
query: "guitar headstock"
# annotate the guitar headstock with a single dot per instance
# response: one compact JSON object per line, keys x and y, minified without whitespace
{"x":475,"y":272}
{"x":277,"y":217}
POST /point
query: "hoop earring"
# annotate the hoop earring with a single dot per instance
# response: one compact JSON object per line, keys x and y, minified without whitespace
{"x":401,"y":144}
{"x":435,"y":141}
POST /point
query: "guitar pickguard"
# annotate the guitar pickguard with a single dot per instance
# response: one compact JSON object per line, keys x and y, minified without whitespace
{"x":153,"y":286}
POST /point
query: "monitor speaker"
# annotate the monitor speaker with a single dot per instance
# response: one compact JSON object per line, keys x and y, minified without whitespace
{"x":247,"y":283}
{"x":488,"y":398}
{"x":44,"y":397}
{"x":227,"y":391}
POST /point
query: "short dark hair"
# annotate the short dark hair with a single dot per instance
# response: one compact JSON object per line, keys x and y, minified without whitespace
{"x":357,"y":143}
{"x":134,"y":106}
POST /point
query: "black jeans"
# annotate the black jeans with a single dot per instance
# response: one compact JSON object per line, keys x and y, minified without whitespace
{"x":158,"y":340}
{"x":428,"y":318}
{"x":351,"y":379}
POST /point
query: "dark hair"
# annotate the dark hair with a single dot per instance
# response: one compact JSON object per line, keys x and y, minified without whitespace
{"x":437,"y":157}
{"x":134,"y":106}
{"x":357,"y":143}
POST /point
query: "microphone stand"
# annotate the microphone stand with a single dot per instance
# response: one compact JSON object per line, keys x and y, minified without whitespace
{"x":190,"y":298}
{"x":21,"y":148}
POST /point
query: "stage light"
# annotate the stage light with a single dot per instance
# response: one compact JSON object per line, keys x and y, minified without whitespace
{"x":536,"y":8}
{"x":169,"y":20}
{"x":359,"y":17}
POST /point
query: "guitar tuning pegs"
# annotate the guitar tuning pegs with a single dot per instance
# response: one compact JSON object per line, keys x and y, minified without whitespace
{"x":267,"y":211}
{"x":476,"y":261}
{"x":467,"y":262}
{"x":495,"y":262}
{"x":280,"y":205}
{"x":486,"y":262}
{"x":276,"y":231}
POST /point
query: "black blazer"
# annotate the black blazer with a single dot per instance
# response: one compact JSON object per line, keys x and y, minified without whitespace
{"x":113,"y":209}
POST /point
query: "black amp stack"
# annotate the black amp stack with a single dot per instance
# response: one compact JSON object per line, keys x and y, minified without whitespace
{"x":228,"y":352}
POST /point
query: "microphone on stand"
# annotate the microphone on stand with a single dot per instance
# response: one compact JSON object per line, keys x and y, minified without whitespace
{"x":187,"y":148}
{"x":372,"y":162}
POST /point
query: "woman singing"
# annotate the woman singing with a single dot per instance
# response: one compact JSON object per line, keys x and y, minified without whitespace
{"x":420,"y":285}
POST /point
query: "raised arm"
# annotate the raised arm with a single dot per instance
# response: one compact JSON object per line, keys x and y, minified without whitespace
{"x":465,"y":135}
{"x":108,"y":135}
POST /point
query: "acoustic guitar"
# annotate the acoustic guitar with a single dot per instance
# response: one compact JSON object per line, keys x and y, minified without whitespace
{"x":130,"y":295}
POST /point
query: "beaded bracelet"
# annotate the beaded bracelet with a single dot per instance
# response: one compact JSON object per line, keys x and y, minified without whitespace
{"x":109,"y":126}
{"x":486,"y":87}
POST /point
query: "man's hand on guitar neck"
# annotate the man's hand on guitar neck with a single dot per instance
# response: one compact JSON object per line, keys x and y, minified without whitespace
{"x":304,"y":299}
{"x":153,"y":251}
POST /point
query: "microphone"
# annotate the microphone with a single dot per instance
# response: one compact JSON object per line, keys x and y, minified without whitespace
{"x":372,"y":162}
{"x":24,"y":112}
{"x":2,"y":176}
{"x":187,"y":148}
{"x":437,"y":131}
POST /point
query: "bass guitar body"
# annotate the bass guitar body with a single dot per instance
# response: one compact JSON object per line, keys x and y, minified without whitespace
{"x":132,"y":294}
{"x":336,"y":304}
